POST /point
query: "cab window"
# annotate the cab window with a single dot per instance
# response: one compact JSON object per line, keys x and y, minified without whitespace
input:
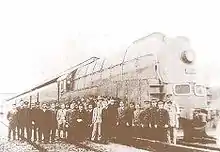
{"x":200,"y":90}
{"x":182,"y":89}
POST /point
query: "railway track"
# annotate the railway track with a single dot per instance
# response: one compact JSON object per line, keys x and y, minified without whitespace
{"x":37,"y":146}
{"x":47,"y":147}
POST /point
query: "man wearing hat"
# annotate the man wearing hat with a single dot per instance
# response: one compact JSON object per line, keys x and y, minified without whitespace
{"x":44,"y":124}
{"x":35,"y":118}
{"x":19,"y":120}
{"x":145,"y":119}
{"x":12,"y":118}
{"x":25,"y":121}
{"x":112,"y":119}
{"x":169,"y":97}
{"x":172,"y":109}
{"x":153,"y":119}
{"x":162,"y":117}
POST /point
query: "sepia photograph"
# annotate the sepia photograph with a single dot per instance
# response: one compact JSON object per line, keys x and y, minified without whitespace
{"x":109,"y":76}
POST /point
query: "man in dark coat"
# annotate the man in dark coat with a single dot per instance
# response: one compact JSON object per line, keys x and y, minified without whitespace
{"x":112,"y":119}
{"x":136,"y":123}
{"x":25,"y":118}
{"x":35,"y":117}
{"x":71,"y":122}
{"x":145,"y":120}
{"x":12,"y":118}
{"x":162,"y":116}
{"x":19,"y":122}
{"x":89,"y":120}
{"x":130,"y":116}
{"x":53,"y":121}
{"x":122,"y":122}
{"x":80,"y":123}
{"x":45,"y":124}
{"x":153,"y":120}
{"x":105,"y":122}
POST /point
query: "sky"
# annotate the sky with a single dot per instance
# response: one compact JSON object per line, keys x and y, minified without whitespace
{"x":39,"y":39}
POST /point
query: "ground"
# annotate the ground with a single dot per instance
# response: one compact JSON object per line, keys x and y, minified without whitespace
{"x":86,"y":146}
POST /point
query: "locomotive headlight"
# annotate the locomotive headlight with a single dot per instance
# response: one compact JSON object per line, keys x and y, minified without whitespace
{"x":187,"y":56}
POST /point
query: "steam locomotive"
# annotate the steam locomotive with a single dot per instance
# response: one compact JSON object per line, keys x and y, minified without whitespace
{"x":150,"y":67}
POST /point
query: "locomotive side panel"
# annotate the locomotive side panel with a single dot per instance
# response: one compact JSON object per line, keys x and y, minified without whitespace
{"x":48,"y":93}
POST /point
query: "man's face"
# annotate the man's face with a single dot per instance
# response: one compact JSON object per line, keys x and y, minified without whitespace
{"x":137,"y":106}
{"x":53,"y":106}
{"x":154,"y":104}
{"x":131,"y":106}
{"x":105,"y":104}
{"x":121,"y":104}
{"x":90,"y":106}
{"x":169,"y":104}
{"x":169,"y":97}
{"x":160,"y":105}
{"x":112,"y":102}
{"x":76,"y":106}
{"x":72,"y":106}
{"x":147,"y":104}
{"x":62,"y":106}
{"x":99,"y":104}
{"x":80,"y":107}
{"x":25,"y":106}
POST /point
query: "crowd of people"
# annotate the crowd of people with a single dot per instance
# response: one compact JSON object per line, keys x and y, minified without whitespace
{"x":96,"y":119}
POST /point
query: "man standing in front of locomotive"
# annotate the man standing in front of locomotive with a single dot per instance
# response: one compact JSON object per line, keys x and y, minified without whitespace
{"x":53,"y":121}
{"x":12,"y":118}
{"x":105,"y":121}
{"x":136,"y":122}
{"x":129,"y":116}
{"x":67,"y":106}
{"x":35,"y":117}
{"x":45,"y":123}
{"x":89,"y":119}
{"x":153,"y":119}
{"x":66,"y":127}
{"x":97,"y":121}
{"x":69,"y":122}
{"x":162,"y":116}
{"x":121,"y":122}
{"x":80,"y":123}
{"x":61,"y":120}
{"x":26,"y":121}
{"x":173,"y":122}
{"x":19,"y":122}
{"x":145,"y":120}
{"x":112,"y":119}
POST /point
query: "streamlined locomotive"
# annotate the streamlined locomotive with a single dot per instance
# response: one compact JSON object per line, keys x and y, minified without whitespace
{"x":150,"y":67}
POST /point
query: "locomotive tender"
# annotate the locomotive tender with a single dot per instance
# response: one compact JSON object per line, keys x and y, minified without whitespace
{"x":151,"y":67}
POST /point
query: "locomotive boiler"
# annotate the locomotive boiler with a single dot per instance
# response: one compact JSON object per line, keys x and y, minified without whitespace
{"x":150,"y":67}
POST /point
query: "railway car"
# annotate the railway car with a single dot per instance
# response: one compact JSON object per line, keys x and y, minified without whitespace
{"x":150,"y":67}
